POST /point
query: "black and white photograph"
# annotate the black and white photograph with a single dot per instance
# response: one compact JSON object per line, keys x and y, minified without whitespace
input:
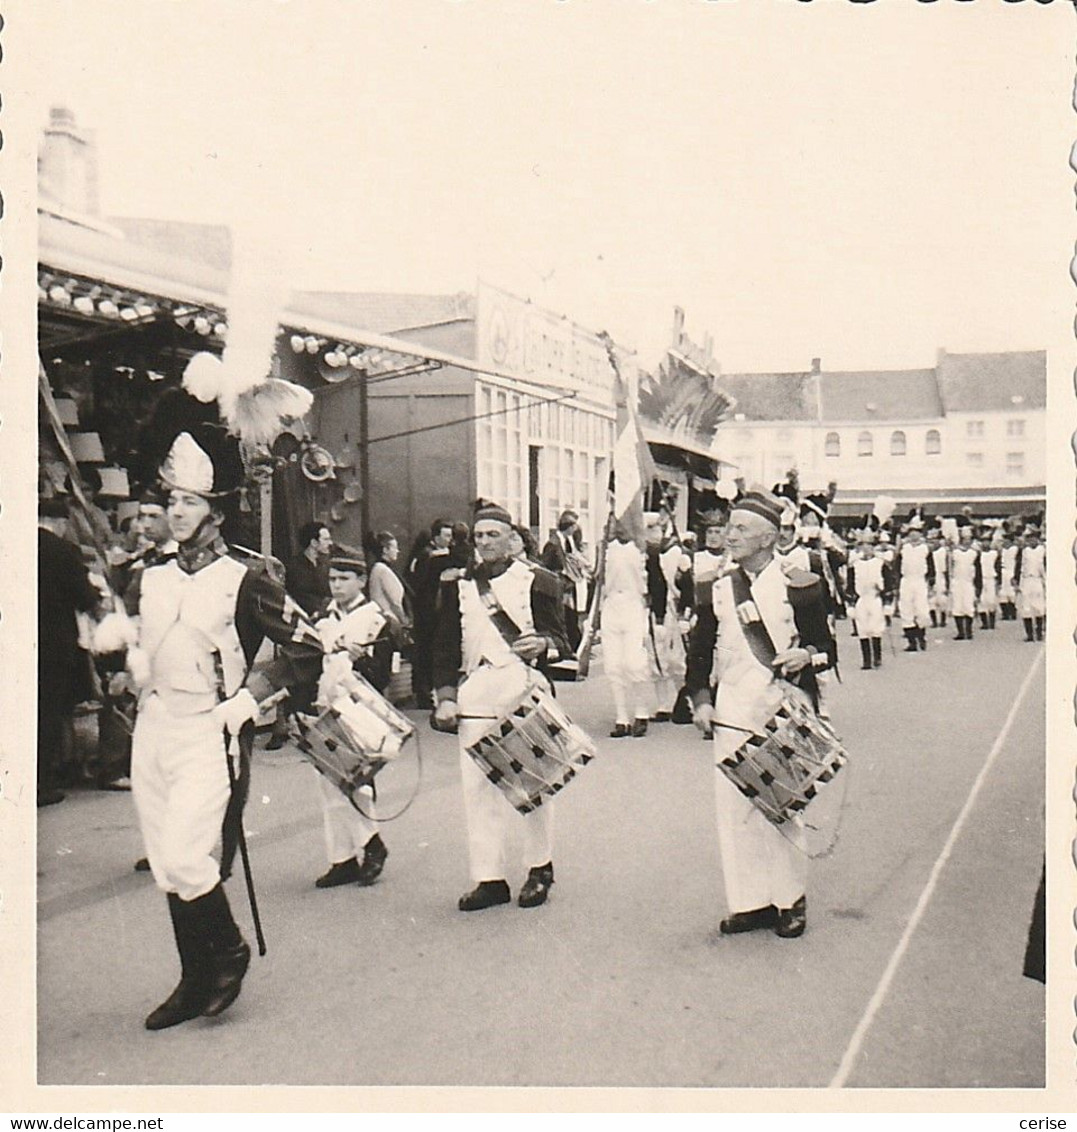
{"x":542,"y":575}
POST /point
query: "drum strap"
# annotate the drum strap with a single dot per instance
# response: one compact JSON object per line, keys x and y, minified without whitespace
{"x":755,"y":632}
{"x":503,"y":623}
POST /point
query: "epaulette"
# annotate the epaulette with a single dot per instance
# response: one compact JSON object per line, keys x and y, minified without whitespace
{"x":545,"y":581}
{"x":261,"y":562}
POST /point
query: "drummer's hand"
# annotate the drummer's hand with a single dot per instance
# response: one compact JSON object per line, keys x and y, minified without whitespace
{"x":530,"y":646}
{"x":703,"y":717}
{"x":357,"y":651}
{"x":446,"y":712}
{"x":791,"y":660}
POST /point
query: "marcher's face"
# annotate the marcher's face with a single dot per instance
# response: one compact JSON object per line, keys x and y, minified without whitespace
{"x":653,"y":532}
{"x":493,"y":540}
{"x":787,"y":535}
{"x":324,"y":542}
{"x":391,"y":551}
{"x":443,"y":538}
{"x":516,"y":545}
{"x":153,"y":522}
{"x":345,"y":585}
{"x":747,"y":534}
{"x":713,"y":537}
{"x":186,"y":513}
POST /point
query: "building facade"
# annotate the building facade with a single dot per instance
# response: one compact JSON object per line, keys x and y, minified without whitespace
{"x":969,"y":431}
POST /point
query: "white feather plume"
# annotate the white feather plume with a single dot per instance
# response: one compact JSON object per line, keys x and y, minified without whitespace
{"x":259,"y":415}
{"x":203,"y":377}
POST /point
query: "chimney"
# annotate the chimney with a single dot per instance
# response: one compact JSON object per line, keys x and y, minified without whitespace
{"x":678,"y":326}
{"x":816,"y":365}
{"x":67,"y":164}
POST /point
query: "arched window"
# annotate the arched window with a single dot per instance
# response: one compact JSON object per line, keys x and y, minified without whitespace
{"x":897,"y":443}
{"x":932,"y":442}
{"x":865,"y":445}
{"x":833,"y":444}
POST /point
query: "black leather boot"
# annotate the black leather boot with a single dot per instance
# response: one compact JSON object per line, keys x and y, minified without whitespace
{"x":1039,"y":628}
{"x":1028,"y":629}
{"x":537,"y":886}
{"x":189,"y":998}
{"x":229,"y":955}
{"x":910,"y":640}
{"x":877,"y":651}
{"x":934,"y":619}
{"x":865,"y":652}
{"x":921,"y":636}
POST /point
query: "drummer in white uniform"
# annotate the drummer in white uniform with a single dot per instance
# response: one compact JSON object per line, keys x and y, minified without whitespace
{"x":765,"y":624}
{"x":480,"y":676}
{"x":356,"y":636}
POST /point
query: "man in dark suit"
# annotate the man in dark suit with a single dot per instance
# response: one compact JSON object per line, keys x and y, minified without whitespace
{"x":308,"y":572}
{"x":63,"y":672}
{"x":561,"y":556}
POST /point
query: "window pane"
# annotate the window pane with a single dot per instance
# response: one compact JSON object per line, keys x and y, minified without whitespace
{"x":864,"y":444}
{"x":933,"y":442}
{"x":833,"y":444}
{"x":897,"y":443}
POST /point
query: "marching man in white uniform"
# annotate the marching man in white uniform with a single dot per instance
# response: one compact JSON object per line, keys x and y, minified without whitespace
{"x":990,"y":571}
{"x":666,"y":651}
{"x":202,"y":616}
{"x":480,"y":676}
{"x":765,"y":624}
{"x":868,"y":583}
{"x":940,"y":592}
{"x":965,"y":583}
{"x":1007,"y":593}
{"x":917,"y":572}
{"x":624,"y":631}
{"x":1032,"y":581}
{"x":357,"y":637}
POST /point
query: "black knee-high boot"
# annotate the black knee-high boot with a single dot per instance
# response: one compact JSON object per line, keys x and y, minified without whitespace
{"x":983,"y":620}
{"x":865,"y":652}
{"x":942,"y":619}
{"x":229,"y":954}
{"x":991,"y":619}
{"x":959,"y":624}
{"x":189,"y":998}
{"x":910,"y":639}
{"x":1039,"y":628}
{"x":934,"y":619}
{"x":921,"y":636}
{"x":1028,"y":629}
{"x":877,"y":651}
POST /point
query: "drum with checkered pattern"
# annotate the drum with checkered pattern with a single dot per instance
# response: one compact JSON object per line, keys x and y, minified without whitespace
{"x":533,"y":752}
{"x":354,"y":737}
{"x":781,"y":768}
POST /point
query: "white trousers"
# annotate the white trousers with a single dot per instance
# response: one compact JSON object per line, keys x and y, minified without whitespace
{"x":760,"y":864}
{"x":912,"y":597}
{"x":624,"y":658}
{"x":963,"y":598}
{"x":988,"y":597}
{"x":346,"y":830}
{"x":870,"y":619}
{"x":180,"y":784}
{"x":491,"y":819}
{"x":940,"y":599}
{"x":667,"y":658}
{"x":1033,"y":598}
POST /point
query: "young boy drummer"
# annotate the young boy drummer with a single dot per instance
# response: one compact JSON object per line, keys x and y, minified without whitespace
{"x":353,"y":629}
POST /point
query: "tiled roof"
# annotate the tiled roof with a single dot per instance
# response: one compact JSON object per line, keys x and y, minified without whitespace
{"x":990,"y":382}
{"x":771,"y":396}
{"x":205,"y":243}
{"x":880,"y":395}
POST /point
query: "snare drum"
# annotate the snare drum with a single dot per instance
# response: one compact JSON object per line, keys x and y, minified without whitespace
{"x":354,"y":737}
{"x":780,"y":768}
{"x":533,"y":752}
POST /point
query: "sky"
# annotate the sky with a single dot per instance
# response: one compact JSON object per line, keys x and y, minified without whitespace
{"x":863,"y":184}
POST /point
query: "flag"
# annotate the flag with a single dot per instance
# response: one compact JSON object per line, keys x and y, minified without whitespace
{"x":633,"y":468}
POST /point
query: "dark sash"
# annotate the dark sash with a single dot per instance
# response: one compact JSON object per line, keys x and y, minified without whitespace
{"x":755,"y":632}
{"x":503,"y":623}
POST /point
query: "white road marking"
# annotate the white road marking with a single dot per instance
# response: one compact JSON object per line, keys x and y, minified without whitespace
{"x":856,"y":1042}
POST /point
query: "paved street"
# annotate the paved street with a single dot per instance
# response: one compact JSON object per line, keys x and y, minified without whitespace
{"x":621,"y":978}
